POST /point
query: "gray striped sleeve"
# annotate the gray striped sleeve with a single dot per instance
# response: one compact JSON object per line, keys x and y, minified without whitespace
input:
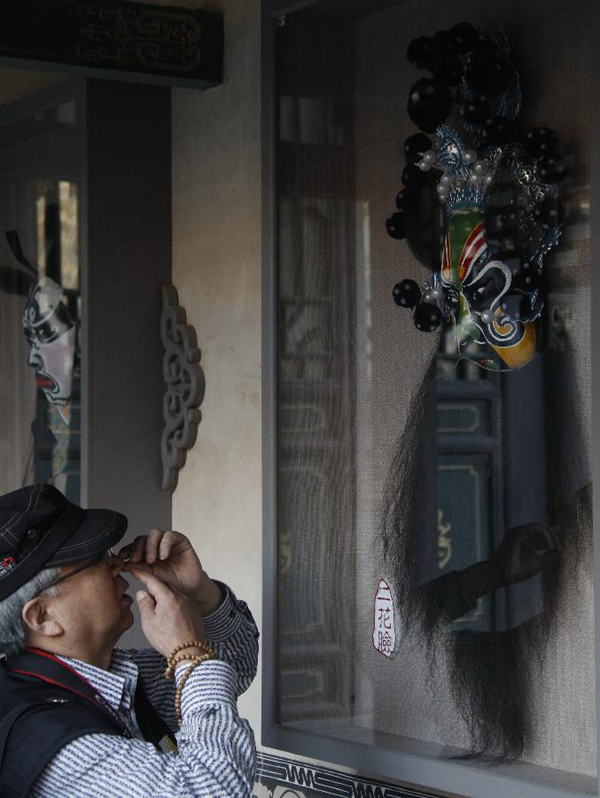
{"x":216,"y":757}
{"x":232,"y":633}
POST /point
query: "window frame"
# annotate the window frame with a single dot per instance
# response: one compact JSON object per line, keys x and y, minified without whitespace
{"x":421,"y":764}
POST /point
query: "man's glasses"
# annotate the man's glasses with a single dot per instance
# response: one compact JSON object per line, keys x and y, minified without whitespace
{"x":108,"y":556}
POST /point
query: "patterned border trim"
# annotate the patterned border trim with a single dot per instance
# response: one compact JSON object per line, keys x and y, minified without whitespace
{"x":275,"y":776}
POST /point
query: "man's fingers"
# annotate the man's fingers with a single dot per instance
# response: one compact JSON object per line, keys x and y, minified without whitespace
{"x":141,"y":566}
{"x":145,"y":603}
{"x":152,"y":543}
{"x":123,"y":552}
{"x":136,"y":549}
{"x":168,"y":540}
{"x":155,"y":587}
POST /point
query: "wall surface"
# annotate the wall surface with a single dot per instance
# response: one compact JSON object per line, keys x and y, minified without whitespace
{"x":216,"y":269}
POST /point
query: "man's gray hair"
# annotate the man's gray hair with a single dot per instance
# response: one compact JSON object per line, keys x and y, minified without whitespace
{"x":13,"y":631}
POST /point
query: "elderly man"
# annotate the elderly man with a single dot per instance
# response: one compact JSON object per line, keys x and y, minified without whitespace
{"x":79,"y":717}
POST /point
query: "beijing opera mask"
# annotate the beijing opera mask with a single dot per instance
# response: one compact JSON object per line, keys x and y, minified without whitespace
{"x":52,"y":339}
{"x":480,"y":314}
{"x":502,"y":206}
{"x":492,"y":303}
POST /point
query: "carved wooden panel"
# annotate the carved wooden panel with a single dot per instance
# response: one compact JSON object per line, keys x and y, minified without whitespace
{"x":184,"y":393}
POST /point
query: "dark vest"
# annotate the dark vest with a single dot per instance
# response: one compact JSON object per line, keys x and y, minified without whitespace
{"x":44,"y":705}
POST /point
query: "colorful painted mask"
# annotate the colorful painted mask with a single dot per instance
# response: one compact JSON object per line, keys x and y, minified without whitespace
{"x":52,"y":339}
{"x":482,"y":315}
{"x":492,"y":303}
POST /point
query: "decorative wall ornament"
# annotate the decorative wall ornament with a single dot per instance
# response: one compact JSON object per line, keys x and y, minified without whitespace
{"x":184,"y":378}
{"x":116,"y":35}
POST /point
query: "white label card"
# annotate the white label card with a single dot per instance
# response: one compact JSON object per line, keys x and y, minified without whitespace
{"x":385,"y":620}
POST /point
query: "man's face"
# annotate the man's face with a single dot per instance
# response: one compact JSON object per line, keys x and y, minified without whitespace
{"x":92,"y":606}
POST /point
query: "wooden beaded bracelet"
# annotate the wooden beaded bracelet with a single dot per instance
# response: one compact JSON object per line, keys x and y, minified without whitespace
{"x":179,"y":690}
{"x":197,"y":659}
{"x":190,"y":644}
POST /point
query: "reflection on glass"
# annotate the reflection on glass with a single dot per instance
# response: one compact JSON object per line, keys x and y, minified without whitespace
{"x":40,"y":162}
{"x":474,"y":483}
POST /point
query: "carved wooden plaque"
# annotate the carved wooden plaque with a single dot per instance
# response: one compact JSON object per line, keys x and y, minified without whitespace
{"x":114,"y":36}
{"x":185,"y":385}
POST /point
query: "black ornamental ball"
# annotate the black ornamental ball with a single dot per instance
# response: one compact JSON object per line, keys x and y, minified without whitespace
{"x":445,"y":43}
{"x":541,"y":142}
{"x":416,"y":146}
{"x":429,"y":104}
{"x":488,"y":74}
{"x":449,"y":71}
{"x":465,"y":37}
{"x":413,"y":176}
{"x":497,"y":130}
{"x":552,"y":169}
{"x":422,"y":52}
{"x":395,"y":225}
{"x":407,"y":294}
{"x":427,"y":317}
{"x":477,"y":111}
{"x":400,"y":200}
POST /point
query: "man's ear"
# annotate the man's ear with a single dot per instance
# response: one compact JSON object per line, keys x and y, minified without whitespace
{"x":39,"y":619}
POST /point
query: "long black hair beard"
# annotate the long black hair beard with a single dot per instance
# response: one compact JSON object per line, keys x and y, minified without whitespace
{"x":490,"y":673}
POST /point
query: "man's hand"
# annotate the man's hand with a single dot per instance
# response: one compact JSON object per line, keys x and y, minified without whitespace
{"x":168,"y":618}
{"x":525,"y":551}
{"x":170,"y":557}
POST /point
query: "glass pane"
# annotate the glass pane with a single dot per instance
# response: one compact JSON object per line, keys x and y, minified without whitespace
{"x":40,"y":296}
{"x":434,"y":513}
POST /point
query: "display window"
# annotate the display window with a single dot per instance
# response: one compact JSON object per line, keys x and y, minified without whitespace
{"x":429,"y":479}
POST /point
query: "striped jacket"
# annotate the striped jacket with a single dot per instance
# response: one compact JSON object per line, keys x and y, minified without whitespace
{"x":216,"y":756}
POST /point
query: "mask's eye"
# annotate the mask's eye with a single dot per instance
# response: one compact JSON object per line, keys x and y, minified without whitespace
{"x":481,"y":295}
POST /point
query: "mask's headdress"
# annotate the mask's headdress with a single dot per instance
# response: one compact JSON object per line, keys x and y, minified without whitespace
{"x":46,"y":317}
{"x":500,"y":198}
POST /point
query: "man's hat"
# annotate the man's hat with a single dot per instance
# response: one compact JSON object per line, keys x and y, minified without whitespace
{"x":40,"y":528}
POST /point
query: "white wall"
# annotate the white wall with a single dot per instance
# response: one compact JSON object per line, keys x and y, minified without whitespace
{"x":216,"y":269}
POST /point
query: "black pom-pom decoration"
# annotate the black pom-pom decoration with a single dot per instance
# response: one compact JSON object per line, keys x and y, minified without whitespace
{"x":407,"y":294}
{"x":427,"y":317}
{"x":406,"y":175}
{"x":413,"y":176}
{"x":540,"y":142}
{"x":416,"y":146}
{"x":445,"y":43}
{"x":429,"y":104}
{"x":395,"y":225}
{"x":465,"y":37}
{"x":477,"y":111}
{"x":552,"y":169}
{"x":497,"y":130}
{"x":449,"y":71}
{"x":487,"y":74}
{"x":422,"y":52}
